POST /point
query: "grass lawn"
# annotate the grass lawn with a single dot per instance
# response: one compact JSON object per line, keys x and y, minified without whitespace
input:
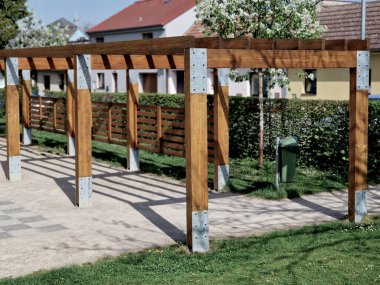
{"x":335,"y":253}
{"x":245,"y":175}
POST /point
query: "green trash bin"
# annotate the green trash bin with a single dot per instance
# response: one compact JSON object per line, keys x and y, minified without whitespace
{"x":289,"y":151}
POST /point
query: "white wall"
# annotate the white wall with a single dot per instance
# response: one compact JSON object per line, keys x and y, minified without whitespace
{"x":180,"y":25}
{"x":54,"y":81}
{"x":127,"y":36}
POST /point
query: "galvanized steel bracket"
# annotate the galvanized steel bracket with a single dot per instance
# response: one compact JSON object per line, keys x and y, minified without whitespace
{"x":85,"y":192}
{"x":84,"y":71}
{"x":360,"y":205}
{"x":223,"y":75}
{"x":25,"y":75}
{"x":200,"y":228}
{"x":70,"y":76}
{"x":198,"y":70}
{"x":362,"y":70}
{"x":14,"y":165}
{"x":223,"y":176}
{"x":133,"y":76}
{"x":12,"y":71}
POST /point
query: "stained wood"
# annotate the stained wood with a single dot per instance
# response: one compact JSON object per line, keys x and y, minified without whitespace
{"x":358,"y":143}
{"x":132,"y":107}
{"x":12,"y":120}
{"x":26,"y":91}
{"x":70,"y":108}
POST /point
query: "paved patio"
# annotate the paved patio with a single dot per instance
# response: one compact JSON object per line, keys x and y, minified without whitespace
{"x":40,"y":228}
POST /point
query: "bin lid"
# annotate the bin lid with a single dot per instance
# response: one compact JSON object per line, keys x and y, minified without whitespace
{"x":288,"y":142}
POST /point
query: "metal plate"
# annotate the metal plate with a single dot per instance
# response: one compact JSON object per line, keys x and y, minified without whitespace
{"x":362,"y":72}
{"x":71,"y":146}
{"x":200,"y":231}
{"x":360,"y":205}
{"x":70,"y":75}
{"x":198,"y":70}
{"x":25,"y":74}
{"x":12,"y":71}
{"x":223,"y":176}
{"x":26,"y":136}
{"x":134,"y":160}
{"x":223,"y":76}
{"x":14,"y":164}
{"x":85,"y":192}
{"x":84,"y":71}
{"x":133,"y":76}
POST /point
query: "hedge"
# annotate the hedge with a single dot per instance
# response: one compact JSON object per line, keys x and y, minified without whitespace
{"x":322,"y":127}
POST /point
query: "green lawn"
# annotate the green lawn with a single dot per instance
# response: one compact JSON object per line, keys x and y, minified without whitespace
{"x":335,"y":253}
{"x":246,"y":176}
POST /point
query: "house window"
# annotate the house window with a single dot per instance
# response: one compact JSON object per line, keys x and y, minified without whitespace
{"x":255,"y":85}
{"x":47,"y":82}
{"x":146,"y":36}
{"x":311,"y":81}
{"x":61,"y":82}
{"x":99,"y":40}
{"x":180,"y":82}
{"x":101,"y":83}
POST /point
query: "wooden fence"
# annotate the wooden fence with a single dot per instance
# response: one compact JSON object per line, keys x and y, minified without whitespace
{"x":160,"y":129}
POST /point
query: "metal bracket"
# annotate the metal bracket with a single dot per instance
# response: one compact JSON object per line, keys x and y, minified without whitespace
{"x":223,"y":76}
{"x":133,"y":76}
{"x":84,"y":71}
{"x":25,"y":75}
{"x":12,"y":71}
{"x":360,"y":205}
{"x":26,"y":136}
{"x":200,"y":240}
{"x":198,"y":70}
{"x":134,"y":160}
{"x":70,"y":76}
{"x":14,"y":168}
{"x":85,"y":192}
{"x":223,"y":176}
{"x":362,"y":70}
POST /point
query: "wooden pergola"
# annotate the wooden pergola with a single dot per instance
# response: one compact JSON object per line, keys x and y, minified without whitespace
{"x":195,"y":56}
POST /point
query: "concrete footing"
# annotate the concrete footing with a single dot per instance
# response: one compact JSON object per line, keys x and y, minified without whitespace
{"x":14,"y":168}
{"x":223,"y":177}
{"x":84,"y":197}
{"x":26,"y":136}
{"x":133,"y":160}
{"x":70,"y":146}
{"x":360,"y":205}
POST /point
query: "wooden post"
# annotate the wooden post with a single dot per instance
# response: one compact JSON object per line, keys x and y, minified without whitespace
{"x":196,"y":149}
{"x":109,"y":125}
{"x":55,"y":114}
{"x":221,"y":131}
{"x":358,"y":140}
{"x":40,"y":109}
{"x":70,"y":112}
{"x":159,"y":128}
{"x":83,"y":113}
{"x":12,"y":119}
{"x":133,"y":156}
{"x":26,"y":92}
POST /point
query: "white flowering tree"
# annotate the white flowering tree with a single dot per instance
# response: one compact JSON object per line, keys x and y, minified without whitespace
{"x":33,"y":33}
{"x":274,"y":19}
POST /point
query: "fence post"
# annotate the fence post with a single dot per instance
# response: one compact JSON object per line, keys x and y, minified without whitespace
{"x":12,"y":119}
{"x":109,"y":129}
{"x":159,"y":128}
{"x":196,"y":149}
{"x":40,"y":109}
{"x":55,"y":114}
{"x":70,"y":113}
{"x":26,"y":91}
{"x":221,"y":130}
{"x":83,"y":118}
{"x":358,"y":138}
{"x":133,"y":156}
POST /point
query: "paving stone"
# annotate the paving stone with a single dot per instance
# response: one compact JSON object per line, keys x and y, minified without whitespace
{"x":9,"y":222}
{"x":32,"y":219}
{"x":16,"y":227}
{"x":5,"y":203}
{"x":4,"y":236}
{"x":52,"y":228}
{"x":5,"y":217}
{"x":13,"y":211}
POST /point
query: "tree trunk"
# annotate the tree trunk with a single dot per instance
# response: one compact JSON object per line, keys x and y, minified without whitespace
{"x":261,"y":121}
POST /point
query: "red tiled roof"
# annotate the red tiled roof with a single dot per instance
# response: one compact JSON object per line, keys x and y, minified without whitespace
{"x":344,"y":22}
{"x":145,"y":13}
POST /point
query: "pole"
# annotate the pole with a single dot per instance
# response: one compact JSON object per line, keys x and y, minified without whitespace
{"x":363,"y":19}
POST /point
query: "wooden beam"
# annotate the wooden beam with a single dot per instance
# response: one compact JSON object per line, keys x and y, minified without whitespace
{"x":70,"y":112}
{"x":12,"y":119}
{"x":46,"y":63}
{"x":133,"y":158}
{"x":196,"y":149}
{"x":280,"y":59}
{"x":83,"y":120}
{"x":26,"y":92}
{"x":137,"y":62}
{"x":358,"y":142}
{"x":221,"y":129}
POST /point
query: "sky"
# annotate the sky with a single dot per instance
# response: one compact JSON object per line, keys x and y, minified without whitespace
{"x":88,"y":11}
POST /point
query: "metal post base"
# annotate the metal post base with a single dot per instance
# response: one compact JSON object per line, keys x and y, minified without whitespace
{"x":26,"y":136}
{"x":84,"y":197}
{"x":71,"y":146}
{"x":133,"y":160}
{"x":360,"y":205}
{"x":200,"y":232}
{"x":14,"y":168}
{"x":223,"y":177}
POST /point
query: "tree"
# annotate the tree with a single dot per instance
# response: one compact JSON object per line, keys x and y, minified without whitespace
{"x":279,"y":19}
{"x":33,"y":33}
{"x":11,"y":12}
